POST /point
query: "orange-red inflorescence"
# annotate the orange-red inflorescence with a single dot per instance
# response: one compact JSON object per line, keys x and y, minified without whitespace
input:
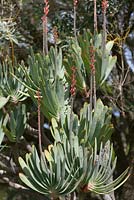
{"x":92,"y":59}
{"x":75,"y":2}
{"x":55,"y":34}
{"x":73,"y":81}
{"x":46,"y":11}
{"x":46,"y":8}
{"x":104,"y":5}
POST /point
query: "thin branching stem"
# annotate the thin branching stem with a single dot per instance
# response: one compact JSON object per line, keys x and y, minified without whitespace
{"x":121,"y":80}
{"x":104,"y":35}
{"x":39,"y":122}
{"x":71,"y":121}
{"x":43,"y":24}
{"x":94,"y":89}
{"x":95,"y":17}
{"x":45,"y":38}
{"x":92,"y":68}
{"x":55,"y":34}
{"x":73,"y":93}
{"x":75,"y":34}
{"x":12,"y":52}
{"x":91,"y":95}
{"x":45,"y":31}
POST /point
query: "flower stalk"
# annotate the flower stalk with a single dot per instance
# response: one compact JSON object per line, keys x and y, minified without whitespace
{"x":75,"y":6}
{"x":45,"y":30}
{"x":39,"y":121}
{"x":73,"y":93}
{"x":55,"y":35}
{"x":73,"y":82}
{"x":95,"y":17}
{"x":104,"y":36}
{"x":92,"y":80}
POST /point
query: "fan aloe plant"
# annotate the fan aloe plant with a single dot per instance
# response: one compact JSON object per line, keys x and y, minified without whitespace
{"x":46,"y":73}
{"x":10,"y":89}
{"x":3,"y":122}
{"x":79,"y":56}
{"x":16,"y":123}
{"x":77,"y":164}
{"x":65,"y":168}
{"x":48,"y":175}
{"x":80,"y":158}
{"x":90,"y":125}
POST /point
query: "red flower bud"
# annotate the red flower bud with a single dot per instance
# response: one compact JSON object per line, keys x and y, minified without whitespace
{"x":73,"y":81}
{"x":75,"y":2}
{"x":104,"y":5}
{"x":92,"y":59}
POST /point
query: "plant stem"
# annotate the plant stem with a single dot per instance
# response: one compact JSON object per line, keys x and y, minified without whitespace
{"x":71,"y":121}
{"x":95,"y":31}
{"x":94,"y":89}
{"x":122,"y":81}
{"x":104,"y":35}
{"x":43,"y":23}
{"x":12,"y":52}
{"x":39,"y":122}
{"x":95,"y":17}
{"x":75,"y":35}
{"x":91,"y":95}
{"x":45,"y":32}
{"x":45,"y":37}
